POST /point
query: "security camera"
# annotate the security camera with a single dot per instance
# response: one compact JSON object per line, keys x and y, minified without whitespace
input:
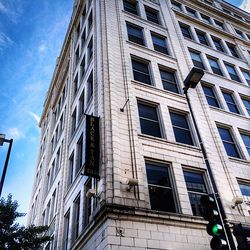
{"x":91,"y":193}
{"x":237,"y":200}
{"x":131,"y":182}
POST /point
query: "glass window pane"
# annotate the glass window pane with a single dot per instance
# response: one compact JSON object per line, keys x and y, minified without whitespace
{"x":150,"y":128}
{"x":231,"y":150}
{"x":195,"y":182}
{"x":157,"y":175}
{"x":147,"y":112}
{"x":245,"y":189}
{"x":161,"y":199}
{"x":183,"y":136}
{"x":179,"y":120}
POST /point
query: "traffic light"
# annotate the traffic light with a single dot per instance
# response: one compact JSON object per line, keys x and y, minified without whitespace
{"x":214,"y":227}
{"x":242,"y":234}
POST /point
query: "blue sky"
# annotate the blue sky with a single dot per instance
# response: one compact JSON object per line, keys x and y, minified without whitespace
{"x":31,"y":36}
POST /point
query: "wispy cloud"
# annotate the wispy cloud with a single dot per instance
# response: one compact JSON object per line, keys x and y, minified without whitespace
{"x":15,"y":133}
{"x":245,"y":5}
{"x":3,"y":8}
{"x":5,"y":41}
{"x":35,"y":116}
{"x":12,"y":9}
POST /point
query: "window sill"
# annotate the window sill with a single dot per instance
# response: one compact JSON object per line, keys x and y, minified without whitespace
{"x":239,"y":160}
{"x":151,"y":50}
{"x":163,"y":91}
{"x":165,"y":141}
{"x":229,"y":113}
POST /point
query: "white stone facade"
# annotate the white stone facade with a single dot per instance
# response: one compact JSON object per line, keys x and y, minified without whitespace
{"x":94,"y":75}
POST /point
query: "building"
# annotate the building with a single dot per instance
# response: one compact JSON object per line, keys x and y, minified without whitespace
{"x":125,"y":61}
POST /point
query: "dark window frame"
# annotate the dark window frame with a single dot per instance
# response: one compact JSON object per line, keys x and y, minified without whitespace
{"x":162,"y":49}
{"x":212,"y":62}
{"x":162,"y":187}
{"x":231,"y":104}
{"x":145,"y":121}
{"x":133,"y":32}
{"x":150,"y":11}
{"x":188,"y":139}
{"x":168,"y":84}
{"x":231,"y":142}
{"x":196,"y":206}
{"x":211,"y":99}
{"x":140,"y":75}
{"x":198,"y":64}
{"x":128,"y":5}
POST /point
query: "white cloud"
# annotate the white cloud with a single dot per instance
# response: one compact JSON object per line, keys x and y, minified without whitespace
{"x":35,"y":116}
{"x":245,"y":5}
{"x":42,"y":48}
{"x":5,"y":41}
{"x":3,"y":8}
{"x":15,"y":133}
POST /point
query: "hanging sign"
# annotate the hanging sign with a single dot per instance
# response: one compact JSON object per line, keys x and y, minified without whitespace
{"x":92,"y":151}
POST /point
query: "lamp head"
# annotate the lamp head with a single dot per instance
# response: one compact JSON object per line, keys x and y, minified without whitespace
{"x":2,"y":138}
{"x":193,"y":78}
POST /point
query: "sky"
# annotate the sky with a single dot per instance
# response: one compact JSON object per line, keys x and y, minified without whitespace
{"x":31,"y":36}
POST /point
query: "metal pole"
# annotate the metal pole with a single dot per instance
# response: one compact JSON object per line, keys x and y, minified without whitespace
{"x":5,"y":164}
{"x":214,"y":186}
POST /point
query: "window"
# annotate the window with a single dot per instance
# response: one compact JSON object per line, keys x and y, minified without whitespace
{"x":169,"y":80}
{"x":149,"y":120}
{"x":77,"y":31}
{"x":71,"y":169}
{"x":246,"y":103}
{"x":176,"y":5}
{"x":83,"y":38}
{"x":245,"y":190}
{"x":160,"y":188}
{"x":90,"y":21}
{"x":130,"y":6}
{"x":160,"y":43}
{"x":135,"y":34}
{"x":210,"y":96}
{"x":141,"y":71}
{"x":219,"y":24}
{"x":218,"y":44}
{"x":191,"y":12}
{"x":77,"y":55}
{"x":239,"y":33}
{"x":230,"y":102}
{"x":81,"y":105}
{"x":73,"y":122}
{"x":181,"y":128}
{"x":66,"y":230}
{"x":205,"y":18}
{"x":90,"y":87}
{"x":186,"y":31}
{"x":82,"y":67}
{"x":90,"y":49}
{"x":79,"y":155}
{"x":246,"y":140}
{"x":246,"y":75}
{"x":202,"y":37}
{"x":196,"y":188}
{"x":232,"y":49}
{"x":75,"y":85}
{"x":76,"y":217}
{"x":228,"y":142}
{"x":196,"y":58}
{"x":152,"y":15}
{"x":232,"y":72}
{"x":88,"y":202}
{"x":215,"y":66}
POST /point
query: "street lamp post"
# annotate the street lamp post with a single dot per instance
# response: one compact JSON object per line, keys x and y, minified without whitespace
{"x":2,"y":140}
{"x":191,"y":81}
